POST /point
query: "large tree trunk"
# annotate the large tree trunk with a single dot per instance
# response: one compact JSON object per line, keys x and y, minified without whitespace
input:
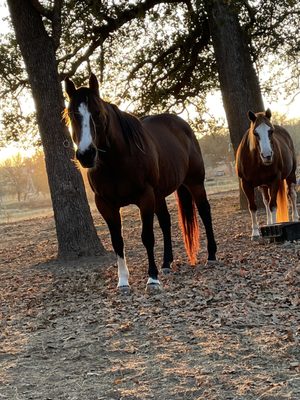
{"x":76,"y":233}
{"x":238,"y":79}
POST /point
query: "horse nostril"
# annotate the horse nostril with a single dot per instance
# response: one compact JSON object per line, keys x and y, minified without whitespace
{"x":87,"y":157}
{"x":268,"y":157}
{"x":91,"y":152}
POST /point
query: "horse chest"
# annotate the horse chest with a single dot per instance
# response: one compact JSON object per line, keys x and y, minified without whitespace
{"x":262,"y":175}
{"x":116,"y":187}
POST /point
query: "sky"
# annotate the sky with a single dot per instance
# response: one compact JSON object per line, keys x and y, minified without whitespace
{"x":283,"y":106}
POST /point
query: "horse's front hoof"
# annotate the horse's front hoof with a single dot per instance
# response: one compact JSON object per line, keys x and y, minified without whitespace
{"x":124,"y":289}
{"x":255,"y":238}
{"x":153,"y":286}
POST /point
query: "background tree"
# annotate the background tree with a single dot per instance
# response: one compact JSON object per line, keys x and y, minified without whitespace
{"x":14,"y":177}
{"x":37,"y":168}
{"x":75,"y":231}
{"x":217,"y":149}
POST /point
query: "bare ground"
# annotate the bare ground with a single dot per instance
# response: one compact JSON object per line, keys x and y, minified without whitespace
{"x":230,"y":331}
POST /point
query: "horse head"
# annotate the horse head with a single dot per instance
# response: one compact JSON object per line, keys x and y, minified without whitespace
{"x":261,"y":130}
{"x":88,"y":119}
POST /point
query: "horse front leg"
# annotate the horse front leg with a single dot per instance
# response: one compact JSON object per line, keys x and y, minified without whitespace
{"x":146,"y":205}
{"x":249,"y":193}
{"x":112,"y":217}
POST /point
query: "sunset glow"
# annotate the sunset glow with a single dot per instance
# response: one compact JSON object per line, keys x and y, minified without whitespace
{"x":12,"y":151}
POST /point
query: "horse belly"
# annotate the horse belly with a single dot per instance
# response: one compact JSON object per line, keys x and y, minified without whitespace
{"x":172,"y":173}
{"x":173,"y":159}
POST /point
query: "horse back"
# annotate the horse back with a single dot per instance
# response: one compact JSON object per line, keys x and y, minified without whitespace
{"x":178,"y":150}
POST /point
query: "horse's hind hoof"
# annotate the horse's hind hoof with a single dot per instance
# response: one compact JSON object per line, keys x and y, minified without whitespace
{"x":211,"y":263}
{"x":124,"y":289}
{"x":166,"y":271}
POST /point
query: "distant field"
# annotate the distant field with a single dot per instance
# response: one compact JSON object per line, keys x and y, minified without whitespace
{"x":12,"y":210}
{"x":221,"y":184}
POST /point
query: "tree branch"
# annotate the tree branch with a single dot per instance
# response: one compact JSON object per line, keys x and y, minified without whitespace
{"x":101,"y":33}
{"x":45,"y":12}
{"x":251,"y":12}
{"x":56,"y":22}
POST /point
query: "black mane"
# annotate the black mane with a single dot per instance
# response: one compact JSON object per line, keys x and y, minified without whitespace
{"x":132,"y":128}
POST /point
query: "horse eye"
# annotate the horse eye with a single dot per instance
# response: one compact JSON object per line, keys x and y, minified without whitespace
{"x":271,"y":131}
{"x":74,"y":115}
{"x":71,"y":114}
{"x":256,"y":134}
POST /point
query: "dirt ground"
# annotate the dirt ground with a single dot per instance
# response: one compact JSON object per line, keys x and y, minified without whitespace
{"x":229,"y":331}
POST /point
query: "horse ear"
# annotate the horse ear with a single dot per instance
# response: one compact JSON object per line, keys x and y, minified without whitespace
{"x":268,"y":113}
{"x":70,"y":87}
{"x":251,"y":116}
{"x":94,"y":84}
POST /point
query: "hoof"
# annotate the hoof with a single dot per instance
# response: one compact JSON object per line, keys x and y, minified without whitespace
{"x":153,"y":288}
{"x":166,"y":271}
{"x":255,"y":238}
{"x":124,"y":289}
{"x":211,"y":262}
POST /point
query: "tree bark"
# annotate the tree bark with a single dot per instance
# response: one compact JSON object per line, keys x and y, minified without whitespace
{"x":75,"y":230}
{"x":238,"y":79}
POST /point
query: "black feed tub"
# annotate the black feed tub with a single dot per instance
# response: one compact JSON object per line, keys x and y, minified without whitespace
{"x":281,"y":232}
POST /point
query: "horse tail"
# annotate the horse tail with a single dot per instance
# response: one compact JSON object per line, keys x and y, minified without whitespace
{"x":188,"y":222}
{"x":282,"y":213}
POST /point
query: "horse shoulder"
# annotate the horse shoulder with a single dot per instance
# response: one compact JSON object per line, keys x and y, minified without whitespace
{"x":284,"y":148}
{"x":283,"y":136}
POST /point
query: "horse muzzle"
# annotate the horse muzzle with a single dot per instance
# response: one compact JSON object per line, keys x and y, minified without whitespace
{"x":268,"y":160}
{"x":267,"y":157}
{"x":87,"y":158}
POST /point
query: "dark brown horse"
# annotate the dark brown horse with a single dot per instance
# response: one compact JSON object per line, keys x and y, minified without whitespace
{"x":133,"y":161}
{"x":266,"y":159}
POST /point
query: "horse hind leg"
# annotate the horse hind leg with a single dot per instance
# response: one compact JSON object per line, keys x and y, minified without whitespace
{"x":164,"y":220}
{"x":199,"y":195}
{"x":266,"y":200}
{"x":146,"y":205}
{"x":292,"y":196}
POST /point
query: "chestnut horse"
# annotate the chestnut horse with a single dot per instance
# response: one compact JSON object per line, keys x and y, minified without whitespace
{"x":140,"y":161}
{"x":266,"y":159}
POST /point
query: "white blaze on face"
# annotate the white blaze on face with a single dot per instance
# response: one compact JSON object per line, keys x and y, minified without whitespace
{"x":264,"y":140}
{"x":86,"y":137}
